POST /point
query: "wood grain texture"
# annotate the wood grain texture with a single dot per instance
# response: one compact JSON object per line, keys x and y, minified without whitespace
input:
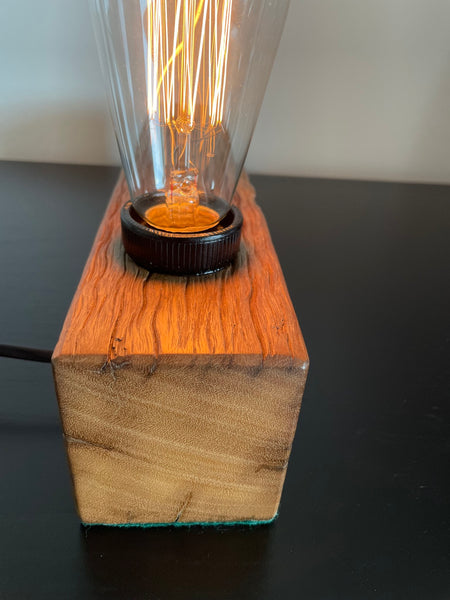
{"x":179,"y":396}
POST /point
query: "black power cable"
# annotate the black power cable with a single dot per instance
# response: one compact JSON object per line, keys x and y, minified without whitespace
{"x":35,"y":354}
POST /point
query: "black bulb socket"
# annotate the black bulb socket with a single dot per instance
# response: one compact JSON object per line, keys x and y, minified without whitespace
{"x":181,"y":253}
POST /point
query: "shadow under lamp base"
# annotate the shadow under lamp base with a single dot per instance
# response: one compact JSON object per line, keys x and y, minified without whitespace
{"x":179,"y":396}
{"x":181,"y":253}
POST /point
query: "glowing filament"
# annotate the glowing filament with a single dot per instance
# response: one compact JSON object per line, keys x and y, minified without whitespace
{"x":187,"y":57}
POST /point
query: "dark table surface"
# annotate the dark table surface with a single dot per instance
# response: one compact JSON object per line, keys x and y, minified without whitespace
{"x":365,"y":509}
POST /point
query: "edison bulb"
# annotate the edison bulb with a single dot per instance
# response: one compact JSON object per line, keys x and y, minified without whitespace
{"x":186,"y":80}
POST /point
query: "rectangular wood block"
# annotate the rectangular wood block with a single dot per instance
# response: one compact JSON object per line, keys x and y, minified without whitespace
{"x":179,"y":396}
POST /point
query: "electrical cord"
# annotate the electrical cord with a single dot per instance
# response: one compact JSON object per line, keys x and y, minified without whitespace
{"x":35,"y":354}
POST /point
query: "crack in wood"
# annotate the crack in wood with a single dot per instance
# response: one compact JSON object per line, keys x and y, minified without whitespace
{"x":273,"y":467}
{"x":113,"y":365}
{"x":183,"y":507}
{"x":73,"y":440}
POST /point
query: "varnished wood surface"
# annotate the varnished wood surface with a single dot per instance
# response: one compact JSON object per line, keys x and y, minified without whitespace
{"x":244,"y":312}
{"x":179,"y":396}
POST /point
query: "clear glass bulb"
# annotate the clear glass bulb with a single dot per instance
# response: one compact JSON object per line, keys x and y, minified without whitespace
{"x":186,"y":80}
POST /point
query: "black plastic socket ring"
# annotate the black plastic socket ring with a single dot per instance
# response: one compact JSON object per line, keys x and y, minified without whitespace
{"x":181,"y":253}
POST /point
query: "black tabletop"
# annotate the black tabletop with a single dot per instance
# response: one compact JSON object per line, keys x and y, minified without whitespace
{"x":365,"y":509}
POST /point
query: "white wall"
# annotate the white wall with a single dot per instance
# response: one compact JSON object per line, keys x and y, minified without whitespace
{"x":360,"y":89}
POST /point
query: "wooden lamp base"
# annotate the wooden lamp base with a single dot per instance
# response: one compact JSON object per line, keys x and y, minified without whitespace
{"x":179,"y":396}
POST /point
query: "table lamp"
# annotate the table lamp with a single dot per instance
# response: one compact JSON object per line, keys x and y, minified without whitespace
{"x":181,"y":366}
